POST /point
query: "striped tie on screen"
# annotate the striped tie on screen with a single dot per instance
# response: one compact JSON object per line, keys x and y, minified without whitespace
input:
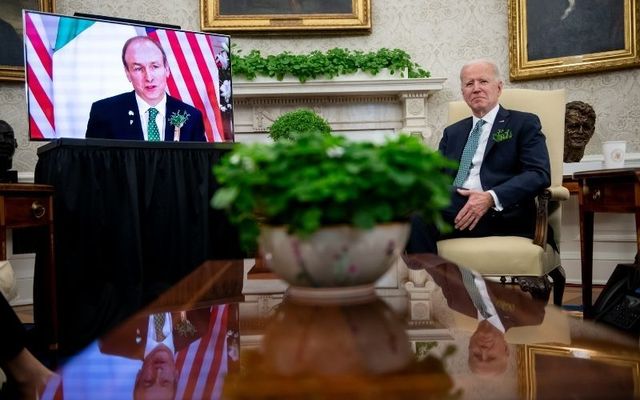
{"x":158,"y":323}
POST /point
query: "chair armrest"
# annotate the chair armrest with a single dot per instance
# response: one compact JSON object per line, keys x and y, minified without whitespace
{"x":542,"y":219}
{"x":558,"y":193}
{"x":555,"y":193}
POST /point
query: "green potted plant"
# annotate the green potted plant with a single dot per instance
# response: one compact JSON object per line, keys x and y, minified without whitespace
{"x":289,"y":125}
{"x":313,"y":203}
{"x":325,"y":65}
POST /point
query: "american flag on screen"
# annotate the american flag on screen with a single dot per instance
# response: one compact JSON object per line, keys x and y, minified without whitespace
{"x":204,"y":363}
{"x":66,"y":68}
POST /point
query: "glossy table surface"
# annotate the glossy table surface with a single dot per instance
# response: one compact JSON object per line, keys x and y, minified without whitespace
{"x":351,"y":344}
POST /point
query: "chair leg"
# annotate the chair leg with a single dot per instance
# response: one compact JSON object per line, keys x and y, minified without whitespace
{"x":559,"y":279}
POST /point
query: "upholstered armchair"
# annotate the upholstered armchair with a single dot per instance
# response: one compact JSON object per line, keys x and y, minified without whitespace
{"x":528,"y":263}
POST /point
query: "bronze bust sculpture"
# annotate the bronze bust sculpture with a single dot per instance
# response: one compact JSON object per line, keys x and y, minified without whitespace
{"x":579,"y":125}
{"x":8,"y":146}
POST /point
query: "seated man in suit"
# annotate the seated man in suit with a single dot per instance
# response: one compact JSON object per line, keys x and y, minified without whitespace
{"x":504,"y":165}
{"x":146,"y":113}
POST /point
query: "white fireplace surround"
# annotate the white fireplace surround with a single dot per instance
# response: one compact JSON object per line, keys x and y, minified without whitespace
{"x":355,"y":106}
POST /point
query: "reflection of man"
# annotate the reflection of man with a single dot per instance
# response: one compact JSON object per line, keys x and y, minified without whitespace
{"x":155,"y":339}
{"x":146,"y":113}
{"x":504,"y":165}
{"x":496,"y":307}
{"x":579,"y":126}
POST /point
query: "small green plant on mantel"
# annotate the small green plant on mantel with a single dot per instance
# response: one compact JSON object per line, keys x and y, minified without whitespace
{"x":293,"y":123}
{"x":333,"y":62}
{"x":324,"y":180}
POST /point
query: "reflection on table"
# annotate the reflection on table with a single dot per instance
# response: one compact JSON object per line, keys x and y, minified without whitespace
{"x":202,"y":339}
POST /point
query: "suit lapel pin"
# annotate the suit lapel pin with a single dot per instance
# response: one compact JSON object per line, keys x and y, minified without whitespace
{"x":131,"y":115}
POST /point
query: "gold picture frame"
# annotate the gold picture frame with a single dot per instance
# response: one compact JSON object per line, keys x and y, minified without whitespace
{"x":545,"y":371}
{"x":12,"y":65}
{"x":282,"y":17}
{"x":549,"y":38}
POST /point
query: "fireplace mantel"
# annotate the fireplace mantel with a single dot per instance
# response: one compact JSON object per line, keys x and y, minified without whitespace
{"x":362,"y":108}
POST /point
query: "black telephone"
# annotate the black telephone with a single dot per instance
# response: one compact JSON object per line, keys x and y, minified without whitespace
{"x":619,"y":303}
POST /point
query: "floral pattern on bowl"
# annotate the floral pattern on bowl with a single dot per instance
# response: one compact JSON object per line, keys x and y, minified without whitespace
{"x":334,"y":256}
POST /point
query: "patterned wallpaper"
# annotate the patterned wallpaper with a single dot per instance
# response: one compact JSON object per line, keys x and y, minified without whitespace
{"x":439,"y":34}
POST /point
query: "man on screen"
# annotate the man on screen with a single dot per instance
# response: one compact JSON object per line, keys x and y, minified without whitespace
{"x":146,"y":113}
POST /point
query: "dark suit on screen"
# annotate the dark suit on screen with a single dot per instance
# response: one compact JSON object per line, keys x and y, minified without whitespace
{"x":517,"y":169}
{"x":118,"y":117}
{"x":130,"y":339}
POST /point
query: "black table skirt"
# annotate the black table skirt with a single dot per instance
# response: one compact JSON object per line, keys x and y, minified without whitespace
{"x":131,"y":219}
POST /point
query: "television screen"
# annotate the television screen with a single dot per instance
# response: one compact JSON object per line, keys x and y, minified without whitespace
{"x":80,"y":83}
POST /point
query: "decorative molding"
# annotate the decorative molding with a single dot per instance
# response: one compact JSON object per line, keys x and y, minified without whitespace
{"x":371,"y":106}
{"x":293,"y":88}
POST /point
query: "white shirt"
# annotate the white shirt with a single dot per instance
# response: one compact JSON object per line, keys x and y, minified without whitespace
{"x":143,"y":110}
{"x":167,"y":331}
{"x":473,"y":180}
{"x":494,"y":319}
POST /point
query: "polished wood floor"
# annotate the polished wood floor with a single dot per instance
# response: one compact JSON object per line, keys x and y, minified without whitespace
{"x":572,"y":297}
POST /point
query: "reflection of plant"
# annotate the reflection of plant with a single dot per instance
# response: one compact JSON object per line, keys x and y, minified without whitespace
{"x":320,"y":180}
{"x":291,"y":124}
{"x":334,"y":62}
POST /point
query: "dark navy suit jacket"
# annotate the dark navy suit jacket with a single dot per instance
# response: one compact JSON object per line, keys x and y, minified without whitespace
{"x":517,"y":169}
{"x":118,"y":117}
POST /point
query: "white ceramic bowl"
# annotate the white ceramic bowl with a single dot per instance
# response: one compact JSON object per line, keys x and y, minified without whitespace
{"x":335,"y":256}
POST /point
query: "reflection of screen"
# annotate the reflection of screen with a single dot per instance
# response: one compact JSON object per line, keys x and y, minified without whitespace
{"x":109,"y":367}
{"x":72,"y":62}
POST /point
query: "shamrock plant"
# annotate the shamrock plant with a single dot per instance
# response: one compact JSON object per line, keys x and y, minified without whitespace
{"x":292,"y":123}
{"x":326,"y":65}
{"x":318,"y":180}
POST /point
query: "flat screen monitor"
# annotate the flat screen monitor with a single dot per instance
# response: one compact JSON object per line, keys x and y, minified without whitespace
{"x":73,"y":62}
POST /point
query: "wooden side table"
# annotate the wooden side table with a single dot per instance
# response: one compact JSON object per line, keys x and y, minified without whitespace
{"x":27,"y":206}
{"x":611,"y":191}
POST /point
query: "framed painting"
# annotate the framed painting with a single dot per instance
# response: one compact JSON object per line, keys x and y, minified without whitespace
{"x":12,"y":49}
{"x":549,"y":38}
{"x":546,"y":371}
{"x":286,"y":16}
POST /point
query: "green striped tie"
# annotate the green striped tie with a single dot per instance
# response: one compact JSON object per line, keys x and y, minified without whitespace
{"x":468,"y":153}
{"x":152,"y":130}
